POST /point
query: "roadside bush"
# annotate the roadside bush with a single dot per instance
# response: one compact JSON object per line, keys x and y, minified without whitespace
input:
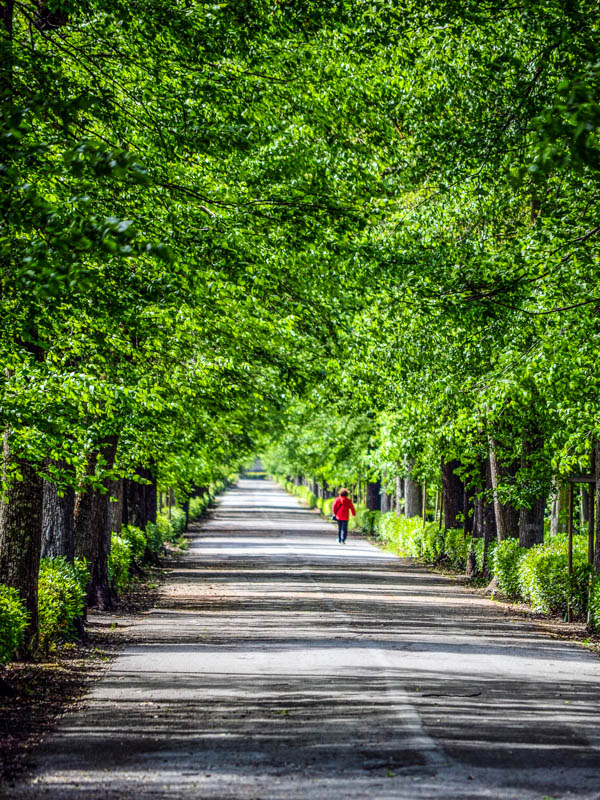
{"x":327,"y":507}
{"x":13,"y":621}
{"x":137,"y":541}
{"x":456,"y":547}
{"x":507,"y":556}
{"x":198,"y":506}
{"x":177,"y":522}
{"x":363,"y":521}
{"x":61,"y":597}
{"x":594,"y":605}
{"x":478,"y":548}
{"x":432,"y":539}
{"x":154,"y":538}
{"x":119,"y":562}
{"x":399,"y":534}
{"x":544,"y":580}
{"x":311,"y":499}
{"x":217,"y":487}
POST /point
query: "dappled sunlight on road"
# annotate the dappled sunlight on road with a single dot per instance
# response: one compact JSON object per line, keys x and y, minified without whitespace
{"x":280,"y":663}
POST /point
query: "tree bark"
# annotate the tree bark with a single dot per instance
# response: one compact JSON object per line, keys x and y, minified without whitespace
{"x":507,"y":517}
{"x":468,"y":509}
{"x":141,"y":499}
{"x":531,"y":523}
{"x":57,"y":522}
{"x":92,"y":529}
{"x":454,"y":493}
{"x":585,"y":506}
{"x":556,"y":508}
{"x":21,"y":536}
{"x":374,"y":496}
{"x":531,"y":520}
{"x":399,"y":495}
{"x":413,"y":497}
{"x":115,"y":504}
{"x":597,"y":514}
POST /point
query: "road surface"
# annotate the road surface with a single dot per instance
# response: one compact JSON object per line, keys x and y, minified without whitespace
{"x":281,"y":664}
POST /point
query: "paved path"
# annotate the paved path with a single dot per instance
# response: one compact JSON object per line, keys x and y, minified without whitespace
{"x":283,"y":665}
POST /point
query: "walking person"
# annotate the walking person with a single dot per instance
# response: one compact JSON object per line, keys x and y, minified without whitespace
{"x":341,"y":510}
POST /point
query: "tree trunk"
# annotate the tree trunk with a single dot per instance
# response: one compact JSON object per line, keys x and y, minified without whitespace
{"x":507,"y":517}
{"x":141,"y":499}
{"x":597,"y":514}
{"x":399,"y":495}
{"x":92,"y":529}
{"x":531,"y":520}
{"x":469,"y":509}
{"x":531,"y":523}
{"x":386,"y":502}
{"x":585,"y":506}
{"x":413,"y":497}
{"x":374,"y":496}
{"x":454,"y":493}
{"x":115,"y":504}
{"x":57,"y":522}
{"x":490,"y":526}
{"x":21,"y":536}
{"x":556,"y":508}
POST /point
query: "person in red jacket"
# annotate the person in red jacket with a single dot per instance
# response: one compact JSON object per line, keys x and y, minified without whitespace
{"x":341,"y":510}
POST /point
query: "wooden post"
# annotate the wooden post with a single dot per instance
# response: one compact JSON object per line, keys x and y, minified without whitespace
{"x":441,"y":509}
{"x":424,"y":508}
{"x":570,"y":554}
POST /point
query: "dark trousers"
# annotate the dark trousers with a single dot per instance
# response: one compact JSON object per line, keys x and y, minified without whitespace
{"x":342,"y":529}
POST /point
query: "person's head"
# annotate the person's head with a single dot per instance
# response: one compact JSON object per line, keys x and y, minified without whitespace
{"x":344,"y":492}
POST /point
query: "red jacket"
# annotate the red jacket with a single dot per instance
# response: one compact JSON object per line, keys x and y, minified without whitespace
{"x":342,"y":507}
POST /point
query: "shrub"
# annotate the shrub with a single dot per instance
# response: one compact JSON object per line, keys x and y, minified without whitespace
{"x":61,"y":598}
{"x":478,"y":544}
{"x":137,"y":541}
{"x":13,"y":621}
{"x":311,"y":499}
{"x":177,"y":522}
{"x":594,"y":605}
{"x":398,"y":533}
{"x":363,"y":521}
{"x":456,"y":547}
{"x":544,"y":579}
{"x":507,"y":556}
{"x":327,"y":506}
{"x":198,"y":506}
{"x":154,"y":538}
{"x":432,"y":539}
{"x":217,"y":487}
{"x":119,"y":562}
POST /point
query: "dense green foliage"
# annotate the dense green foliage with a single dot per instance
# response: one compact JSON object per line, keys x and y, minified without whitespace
{"x":543,"y":577}
{"x":61,"y":598}
{"x":13,"y":620}
{"x":360,"y":237}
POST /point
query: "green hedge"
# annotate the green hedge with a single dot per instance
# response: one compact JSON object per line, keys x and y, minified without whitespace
{"x":119,"y":562}
{"x":13,"y":621}
{"x":198,"y":506}
{"x":61,"y":598}
{"x":594,"y":605}
{"x":544,"y":580}
{"x":507,"y":557}
{"x":478,"y":545}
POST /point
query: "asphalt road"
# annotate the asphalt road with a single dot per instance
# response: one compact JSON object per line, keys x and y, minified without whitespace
{"x":280,"y":664}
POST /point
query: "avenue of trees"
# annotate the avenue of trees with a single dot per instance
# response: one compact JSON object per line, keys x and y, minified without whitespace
{"x":360,"y":235}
